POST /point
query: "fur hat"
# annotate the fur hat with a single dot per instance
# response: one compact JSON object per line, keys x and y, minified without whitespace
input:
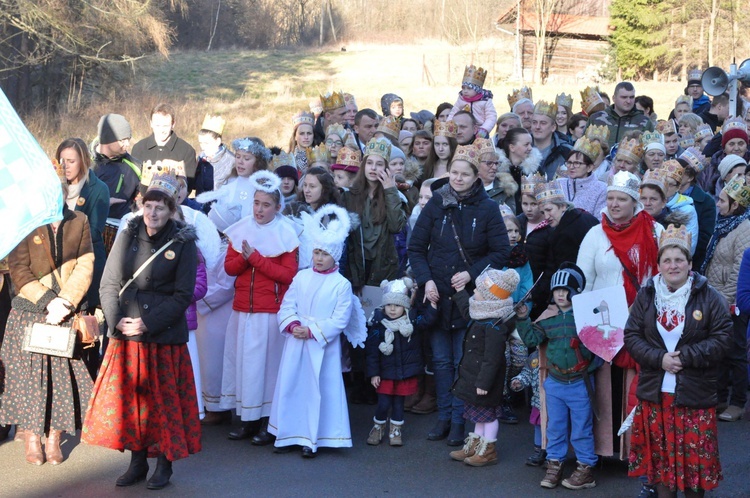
{"x":287,"y":171}
{"x":569,"y":277}
{"x":497,"y":285}
{"x":330,"y":237}
{"x":397,"y":292}
{"x":112,"y":128}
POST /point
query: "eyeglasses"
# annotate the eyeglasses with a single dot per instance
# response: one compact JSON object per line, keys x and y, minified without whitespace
{"x":575,"y":164}
{"x":330,"y":142}
{"x":490,"y":163}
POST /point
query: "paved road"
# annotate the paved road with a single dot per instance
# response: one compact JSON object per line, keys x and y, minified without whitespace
{"x":419,"y":468}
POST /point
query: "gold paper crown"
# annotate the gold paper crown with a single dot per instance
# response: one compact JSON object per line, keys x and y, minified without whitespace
{"x":734,"y":124}
{"x":737,"y":190}
{"x":694,"y":158}
{"x":587,"y":148}
{"x":348,"y":159}
{"x":548,"y":192}
{"x":703,"y":131}
{"x":598,"y":132}
{"x":591,"y":101}
{"x":445,"y":129}
{"x":315,"y":106}
{"x":474,"y":75}
{"x":695,"y":74}
{"x":529,"y":183}
{"x":303,"y":117}
{"x":331,"y":101}
{"x":684,"y":99}
{"x":675,"y":236}
{"x":485,"y":146}
{"x":651,"y":137}
{"x":666,"y":126}
{"x":546,"y":109}
{"x":631,"y":148}
{"x":564,"y":100}
{"x":389,"y":126}
{"x":283,"y":159}
{"x":469,"y":153}
{"x":338,"y":130}
{"x":351,"y":142}
{"x":674,"y":170}
{"x":165,"y":182}
{"x":214,"y":123}
{"x":521,"y":93}
{"x":318,"y":154}
{"x":379,"y":147}
{"x":59,"y":170}
{"x":687,"y":142}
{"x":150,"y":170}
{"x":655,"y":178}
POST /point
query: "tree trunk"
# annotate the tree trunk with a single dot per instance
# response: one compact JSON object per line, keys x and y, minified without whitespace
{"x":712,"y":30}
{"x":322,"y":19}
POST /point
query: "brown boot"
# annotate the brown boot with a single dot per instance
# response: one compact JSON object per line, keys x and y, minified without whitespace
{"x":468,"y":449}
{"x":428,"y":403}
{"x":217,"y":418}
{"x":52,"y":447}
{"x":553,"y":475}
{"x":394,"y":437}
{"x":485,"y":454}
{"x":413,"y":399}
{"x":376,"y":433}
{"x":581,"y":478}
{"x":20,"y":435}
{"x":34,"y":453}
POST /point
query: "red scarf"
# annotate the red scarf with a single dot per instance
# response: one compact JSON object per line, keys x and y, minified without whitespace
{"x":636,"y":236}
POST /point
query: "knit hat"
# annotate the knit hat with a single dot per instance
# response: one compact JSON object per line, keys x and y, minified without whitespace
{"x":626,"y":182}
{"x":331,"y":236}
{"x":396,"y":152}
{"x":113,"y":128}
{"x":288,"y":172}
{"x":736,"y":132}
{"x":404,"y":134}
{"x":728,"y":163}
{"x":569,"y":277}
{"x":397,"y":292}
{"x":422,"y":117}
{"x":497,"y":285}
{"x":694,"y":76}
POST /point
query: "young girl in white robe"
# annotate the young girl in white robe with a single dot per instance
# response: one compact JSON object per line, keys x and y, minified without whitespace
{"x":309,"y":406}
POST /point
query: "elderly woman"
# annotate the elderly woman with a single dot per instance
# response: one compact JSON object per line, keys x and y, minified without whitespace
{"x":678,"y":331}
{"x":51,"y":270}
{"x":721,"y":267}
{"x":144,"y":399}
{"x":694,"y":162}
{"x":505,"y":122}
{"x":459,"y":233}
{"x":654,"y":152}
{"x":500,"y":186}
{"x":627,"y":158}
{"x":734,"y":140}
{"x":581,"y":187}
{"x":621,"y":251}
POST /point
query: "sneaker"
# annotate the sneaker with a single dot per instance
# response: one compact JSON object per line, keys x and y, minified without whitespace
{"x":553,"y":475}
{"x":537,"y":458}
{"x":731,"y":414}
{"x":581,"y":478}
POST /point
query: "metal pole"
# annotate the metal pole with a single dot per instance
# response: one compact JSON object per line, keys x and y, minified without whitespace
{"x":732,"y":89}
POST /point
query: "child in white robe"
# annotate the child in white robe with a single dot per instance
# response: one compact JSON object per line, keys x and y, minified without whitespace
{"x":309,"y":406}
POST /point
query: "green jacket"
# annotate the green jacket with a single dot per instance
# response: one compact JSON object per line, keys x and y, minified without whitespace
{"x":618,"y":125}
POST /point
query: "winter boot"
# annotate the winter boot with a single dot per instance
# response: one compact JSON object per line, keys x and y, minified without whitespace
{"x":160,"y":478}
{"x":581,"y":478}
{"x":395,"y":435}
{"x":263,"y":437}
{"x":507,"y":416}
{"x":413,"y":399}
{"x":440,"y":430}
{"x":456,"y":436}
{"x":537,"y":458}
{"x":246,"y":431}
{"x":52,"y":447}
{"x":428,"y":403}
{"x":136,"y":472}
{"x":553,"y":475}
{"x":485,"y":454}
{"x":469,"y":448}
{"x":376,"y":433}
{"x":34,"y":453}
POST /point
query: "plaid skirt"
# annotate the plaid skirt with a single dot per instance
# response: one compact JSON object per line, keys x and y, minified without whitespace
{"x":482,"y":414}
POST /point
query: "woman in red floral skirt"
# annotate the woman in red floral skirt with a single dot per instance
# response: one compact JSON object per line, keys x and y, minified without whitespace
{"x":678,"y":331}
{"x":144,"y":399}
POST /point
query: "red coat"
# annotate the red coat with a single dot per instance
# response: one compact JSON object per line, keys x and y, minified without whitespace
{"x":261,"y":282}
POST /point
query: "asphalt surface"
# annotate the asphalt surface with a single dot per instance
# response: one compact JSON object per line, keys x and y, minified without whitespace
{"x":419,"y":468}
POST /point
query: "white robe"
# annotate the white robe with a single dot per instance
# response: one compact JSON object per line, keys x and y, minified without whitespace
{"x":309,"y":406}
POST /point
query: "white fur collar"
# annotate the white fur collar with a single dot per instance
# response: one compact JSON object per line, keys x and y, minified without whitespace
{"x":528,"y":167}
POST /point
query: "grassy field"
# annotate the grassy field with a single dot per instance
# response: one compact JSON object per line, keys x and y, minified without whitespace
{"x":257,"y":92}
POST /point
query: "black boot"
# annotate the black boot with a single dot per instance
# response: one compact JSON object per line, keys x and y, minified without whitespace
{"x":508,"y":416}
{"x":456,"y":436}
{"x":248,"y":430}
{"x":136,"y":472}
{"x":537,"y":458}
{"x":440,"y":431}
{"x":263,"y":438}
{"x":160,"y":478}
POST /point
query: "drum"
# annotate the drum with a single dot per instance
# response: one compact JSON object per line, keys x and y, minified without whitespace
{"x":109,"y":233}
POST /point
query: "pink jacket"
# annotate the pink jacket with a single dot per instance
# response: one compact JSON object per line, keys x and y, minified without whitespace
{"x":483,"y":110}
{"x":201,"y":287}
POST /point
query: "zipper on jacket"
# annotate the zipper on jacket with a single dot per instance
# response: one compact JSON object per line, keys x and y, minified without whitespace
{"x":119,"y":184}
{"x":252,"y":285}
{"x":442,"y":227}
{"x":276,"y":291}
{"x":473,"y":226}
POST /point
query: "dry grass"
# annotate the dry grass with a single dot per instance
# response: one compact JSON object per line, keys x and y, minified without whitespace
{"x":258,"y":91}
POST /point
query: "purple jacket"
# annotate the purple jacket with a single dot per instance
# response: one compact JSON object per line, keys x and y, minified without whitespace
{"x":201,"y":286}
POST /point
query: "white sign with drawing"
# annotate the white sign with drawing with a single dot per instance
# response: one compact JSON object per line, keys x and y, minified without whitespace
{"x":600,"y":317}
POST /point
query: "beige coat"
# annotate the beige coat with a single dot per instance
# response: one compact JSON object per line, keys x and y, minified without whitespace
{"x":724,"y":266}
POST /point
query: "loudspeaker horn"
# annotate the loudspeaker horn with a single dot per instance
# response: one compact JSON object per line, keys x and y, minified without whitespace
{"x":743,"y":72}
{"x":715,"y":81}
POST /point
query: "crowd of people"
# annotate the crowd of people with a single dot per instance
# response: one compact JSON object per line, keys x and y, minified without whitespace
{"x":231,"y":283}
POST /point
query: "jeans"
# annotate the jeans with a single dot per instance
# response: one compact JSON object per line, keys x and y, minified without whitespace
{"x":393,"y":403}
{"x":447,"y":349}
{"x":569,"y":409}
{"x":733,"y":370}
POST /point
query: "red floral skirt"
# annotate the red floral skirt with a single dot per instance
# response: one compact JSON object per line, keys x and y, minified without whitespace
{"x":144,"y":398}
{"x":405,"y":387}
{"x":675,"y":446}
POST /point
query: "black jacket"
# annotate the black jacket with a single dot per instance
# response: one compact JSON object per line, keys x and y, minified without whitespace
{"x":706,"y":339}
{"x":537,"y":247}
{"x":565,"y":239}
{"x":122,"y":176}
{"x":162,"y":292}
{"x":434,"y":253}
{"x":406,"y":359}
{"x":705,"y":207}
{"x":175,"y":149}
{"x":483,"y":362}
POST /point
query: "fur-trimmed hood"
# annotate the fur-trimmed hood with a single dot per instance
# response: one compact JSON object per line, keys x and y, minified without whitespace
{"x":675,"y":217}
{"x":528,"y":167}
{"x":182,"y":232}
{"x":412,"y":171}
{"x":504,"y":183}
